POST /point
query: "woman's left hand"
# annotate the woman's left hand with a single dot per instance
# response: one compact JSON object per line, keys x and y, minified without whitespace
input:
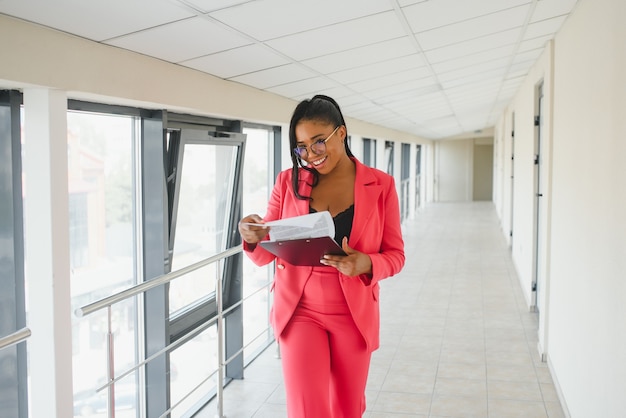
{"x":353,"y":264}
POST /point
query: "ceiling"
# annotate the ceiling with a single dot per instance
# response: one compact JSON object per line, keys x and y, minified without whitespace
{"x":432,"y":68}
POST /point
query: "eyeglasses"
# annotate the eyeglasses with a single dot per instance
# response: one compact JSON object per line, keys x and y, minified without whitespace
{"x":317,"y":148}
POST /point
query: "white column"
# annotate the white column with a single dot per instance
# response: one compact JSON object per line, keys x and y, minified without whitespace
{"x":46,"y":218}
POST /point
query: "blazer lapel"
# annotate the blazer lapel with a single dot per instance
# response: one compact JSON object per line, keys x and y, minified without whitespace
{"x":366,"y":193}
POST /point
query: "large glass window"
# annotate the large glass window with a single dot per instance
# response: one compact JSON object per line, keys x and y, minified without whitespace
{"x":101,"y":166}
{"x":203,"y":178}
{"x":258,"y":178}
{"x":389,"y":150}
{"x":206,"y":179}
{"x":405,"y":166}
{"x":369,"y":152}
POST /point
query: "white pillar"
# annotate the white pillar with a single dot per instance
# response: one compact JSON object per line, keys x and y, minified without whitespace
{"x":46,"y":219}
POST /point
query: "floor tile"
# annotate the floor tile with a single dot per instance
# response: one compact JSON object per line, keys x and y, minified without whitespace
{"x":456,"y":337}
{"x":459,"y":406}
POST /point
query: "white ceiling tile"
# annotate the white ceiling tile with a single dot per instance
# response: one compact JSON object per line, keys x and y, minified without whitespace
{"x":548,"y":9}
{"x":96,"y":20}
{"x":270,"y":19}
{"x":449,"y":123}
{"x":519,"y":68}
{"x":403,"y":80}
{"x":544,"y":27}
{"x":308,"y":87}
{"x":172,"y":43}
{"x":496,"y":74}
{"x":471,"y":109}
{"x":473,"y":59}
{"x":480,"y":96}
{"x":339,"y":37}
{"x":434,"y":14}
{"x":404,"y":3}
{"x":368,"y":54}
{"x":473,"y":46}
{"x":342,"y":95}
{"x":361,"y":52}
{"x":510,"y":84}
{"x":534,"y":43}
{"x":526,"y":56}
{"x":275,"y":76}
{"x":403,"y":95}
{"x":494,"y":67}
{"x":357,"y":107}
{"x":474,"y":28}
{"x":211,"y":5}
{"x":379,"y":69}
{"x":237,"y":61}
{"x":390,"y":93}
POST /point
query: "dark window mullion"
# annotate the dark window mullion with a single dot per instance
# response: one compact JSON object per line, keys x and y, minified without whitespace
{"x":13,"y":381}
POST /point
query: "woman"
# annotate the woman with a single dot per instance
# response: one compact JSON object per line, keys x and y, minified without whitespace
{"x":326,"y":318}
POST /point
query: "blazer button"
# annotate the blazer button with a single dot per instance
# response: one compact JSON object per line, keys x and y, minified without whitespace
{"x":281,"y":266}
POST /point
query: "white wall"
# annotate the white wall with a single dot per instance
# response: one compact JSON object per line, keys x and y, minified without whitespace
{"x":454,"y":172}
{"x":588,"y":264}
{"x":585,"y":237}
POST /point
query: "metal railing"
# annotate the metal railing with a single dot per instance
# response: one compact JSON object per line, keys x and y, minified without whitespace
{"x":14,"y":338}
{"x":218,"y":319}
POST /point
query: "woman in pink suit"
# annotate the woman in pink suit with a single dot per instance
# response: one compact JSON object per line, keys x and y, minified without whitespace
{"x":326,"y":319}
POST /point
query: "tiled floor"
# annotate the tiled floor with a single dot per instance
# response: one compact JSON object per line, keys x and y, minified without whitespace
{"x":457,"y":339}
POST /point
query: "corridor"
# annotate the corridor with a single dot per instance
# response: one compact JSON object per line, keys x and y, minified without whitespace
{"x":457,"y":339}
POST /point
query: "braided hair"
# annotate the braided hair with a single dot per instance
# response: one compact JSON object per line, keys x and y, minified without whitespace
{"x":319,"y":108}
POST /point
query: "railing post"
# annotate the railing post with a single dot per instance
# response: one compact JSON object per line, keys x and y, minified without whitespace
{"x":110,"y":367}
{"x":220,"y":344}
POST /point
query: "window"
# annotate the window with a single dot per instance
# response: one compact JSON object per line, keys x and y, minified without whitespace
{"x":102,"y":190}
{"x":258,"y":180}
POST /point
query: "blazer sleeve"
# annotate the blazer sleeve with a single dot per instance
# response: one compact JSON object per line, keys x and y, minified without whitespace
{"x":390,"y":258}
{"x":256,"y":253}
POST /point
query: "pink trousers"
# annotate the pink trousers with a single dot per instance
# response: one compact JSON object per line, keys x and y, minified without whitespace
{"x":324,"y":356}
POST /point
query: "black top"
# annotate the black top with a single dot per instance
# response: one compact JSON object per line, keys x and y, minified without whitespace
{"x":343,"y":223}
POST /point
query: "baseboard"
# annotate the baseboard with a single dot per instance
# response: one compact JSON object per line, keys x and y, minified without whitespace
{"x":557,"y":387}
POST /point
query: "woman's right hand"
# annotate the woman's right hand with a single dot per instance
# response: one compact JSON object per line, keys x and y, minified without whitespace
{"x":252,"y":234}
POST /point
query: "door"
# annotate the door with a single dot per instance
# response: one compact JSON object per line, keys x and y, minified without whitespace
{"x":537,"y":282}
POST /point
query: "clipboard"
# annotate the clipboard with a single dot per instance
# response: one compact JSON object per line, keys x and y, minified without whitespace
{"x":303,"y":251}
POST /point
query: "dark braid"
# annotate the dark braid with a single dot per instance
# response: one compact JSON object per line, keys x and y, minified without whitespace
{"x":319,"y":108}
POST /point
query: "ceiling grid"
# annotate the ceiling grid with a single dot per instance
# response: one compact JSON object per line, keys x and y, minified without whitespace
{"x":432,"y":68}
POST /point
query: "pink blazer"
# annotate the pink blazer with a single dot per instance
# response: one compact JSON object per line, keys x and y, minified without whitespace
{"x":375,"y":231}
